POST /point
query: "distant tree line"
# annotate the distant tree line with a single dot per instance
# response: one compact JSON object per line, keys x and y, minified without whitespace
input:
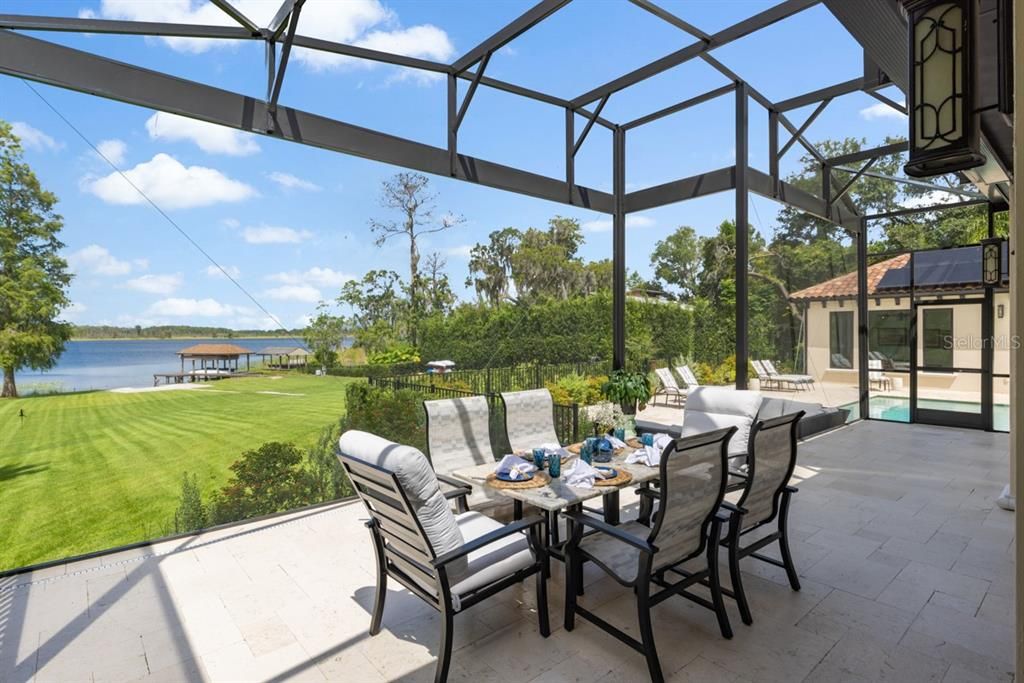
{"x":175,"y":331}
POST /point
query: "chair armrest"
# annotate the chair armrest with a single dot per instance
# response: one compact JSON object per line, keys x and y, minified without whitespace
{"x":727,"y":510}
{"x":791,"y":489}
{"x":461,"y":488}
{"x":487,"y":539}
{"x":613,"y":531}
{"x":649,"y":493}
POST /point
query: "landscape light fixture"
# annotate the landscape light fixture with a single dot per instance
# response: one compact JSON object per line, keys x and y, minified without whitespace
{"x":943,"y":123}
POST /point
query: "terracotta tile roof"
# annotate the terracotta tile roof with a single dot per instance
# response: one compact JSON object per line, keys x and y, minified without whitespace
{"x":215,"y":350}
{"x":845,"y":286}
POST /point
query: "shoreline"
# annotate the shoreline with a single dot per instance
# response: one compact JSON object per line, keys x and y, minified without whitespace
{"x":182,"y":338}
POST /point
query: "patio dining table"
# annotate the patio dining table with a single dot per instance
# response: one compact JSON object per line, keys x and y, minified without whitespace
{"x":556,"y":496}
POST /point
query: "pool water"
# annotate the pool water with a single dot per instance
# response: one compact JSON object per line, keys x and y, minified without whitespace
{"x":897,"y":409}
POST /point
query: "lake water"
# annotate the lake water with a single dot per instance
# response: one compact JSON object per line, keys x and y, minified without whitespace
{"x":121,"y":363}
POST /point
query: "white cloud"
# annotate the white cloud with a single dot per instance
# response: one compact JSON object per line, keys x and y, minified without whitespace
{"x":214,"y":271}
{"x":209,"y":137}
{"x":320,"y":277}
{"x":365,"y":23}
{"x":304,"y":293}
{"x":33,"y":138}
{"x":231,"y":222}
{"x":156,"y":284}
{"x":97,"y":260}
{"x":73,"y":312}
{"x":460,"y":251}
{"x":290,"y":182}
{"x":270,"y":234}
{"x":205,"y":308}
{"x":881,"y":111}
{"x":170,"y":184}
{"x":633,"y":220}
{"x":930,"y":199}
{"x":113,"y":151}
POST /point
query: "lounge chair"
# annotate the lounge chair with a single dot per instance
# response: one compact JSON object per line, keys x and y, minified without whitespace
{"x":449,"y":561}
{"x":647,"y":560}
{"x":689,"y":379}
{"x":669,"y":387}
{"x":529,"y":419}
{"x":876,"y":377}
{"x":764,"y":379}
{"x":458,"y":435}
{"x":765,"y":499}
{"x":794,"y":379}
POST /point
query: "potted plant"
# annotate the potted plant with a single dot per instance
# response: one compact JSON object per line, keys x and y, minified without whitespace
{"x":627,"y":389}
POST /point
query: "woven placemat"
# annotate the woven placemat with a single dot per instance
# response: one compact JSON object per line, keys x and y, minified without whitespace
{"x":577,"y":447}
{"x":539,"y":479}
{"x":621,"y":479}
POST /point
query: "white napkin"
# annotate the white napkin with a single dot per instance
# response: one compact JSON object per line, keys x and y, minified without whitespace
{"x":616,"y":443}
{"x":650,"y":455}
{"x":515,"y":467}
{"x":553,"y":448}
{"x":581,"y":475}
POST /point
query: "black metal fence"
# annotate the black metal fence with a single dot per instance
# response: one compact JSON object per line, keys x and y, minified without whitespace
{"x":514,"y":378}
{"x":567,"y":417}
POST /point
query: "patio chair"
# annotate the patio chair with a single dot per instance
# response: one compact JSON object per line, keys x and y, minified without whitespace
{"x":529,"y":419}
{"x":689,"y":379}
{"x":795,"y":379}
{"x":765,"y":499}
{"x":876,"y":377}
{"x":764,"y":379}
{"x":693,"y":476}
{"x":449,"y":561}
{"x":458,"y":436}
{"x":669,"y":387}
{"x":708,"y":409}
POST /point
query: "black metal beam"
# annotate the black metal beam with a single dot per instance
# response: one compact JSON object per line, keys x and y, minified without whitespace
{"x":472,"y":90}
{"x":233,"y":12}
{"x":286,"y":50}
{"x":856,"y":176}
{"x":135,"y":28}
{"x":925,"y":209}
{"x":763,"y":184}
{"x":864,"y":386}
{"x":590,"y":124}
{"x":773,"y":147}
{"x":923,"y":184}
{"x":828,"y":93}
{"x":865,"y":154}
{"x":701,"y":185}
{"x":685,"y":104}
{"x":45,"y":62}
{"x":803,"y":128}
{"x":665,"y":15}
{"x":509,"y":32}
{"x":284,"y":12}
{"x":570,"y":141}
{"x":885,"y":100}
{"x":619,"y":249}
{"x":723,"y":37}
{"x":742,"y":237}
{"x":367,"y":53}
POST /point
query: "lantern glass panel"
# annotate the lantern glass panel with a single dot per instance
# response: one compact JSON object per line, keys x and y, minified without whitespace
{"x":939,"y":64}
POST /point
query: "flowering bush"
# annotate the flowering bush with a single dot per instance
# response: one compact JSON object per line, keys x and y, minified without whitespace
{"x":576,"y":388}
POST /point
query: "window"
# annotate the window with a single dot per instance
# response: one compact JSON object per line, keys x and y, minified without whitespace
{"x":937,"y":338}
{"x":889,"y":338}
{"x":840,"y":339}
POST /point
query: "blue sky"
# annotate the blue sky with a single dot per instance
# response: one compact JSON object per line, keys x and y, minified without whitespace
{"x":291,"y":222}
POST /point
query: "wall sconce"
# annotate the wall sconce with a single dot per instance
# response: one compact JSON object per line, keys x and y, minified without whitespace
{"x":943,"y":124}
{"x":992,"y":262}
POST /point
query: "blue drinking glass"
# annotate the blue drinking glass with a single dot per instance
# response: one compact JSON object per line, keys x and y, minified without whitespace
{"x":587,"y":452}
{"x":647,"y":439}
{"x":603,"y":451}
{"x":555,"y":465}
{"x":620,"y":433}
{"x":538,"y":459}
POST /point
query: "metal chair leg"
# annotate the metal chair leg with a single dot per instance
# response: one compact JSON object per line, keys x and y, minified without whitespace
{"x":715,"y":583}
{"x":382,"y":581}
{"x":542,"y":603}
{"x":787,"y":556}
{"x":444,"y":650}
{"x":570,"y":590}
{"x":734,"y":570}
{"x":643,"y":608}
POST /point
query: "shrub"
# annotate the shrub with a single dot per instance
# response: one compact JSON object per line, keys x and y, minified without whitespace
{"x":266,"y":480}
{"x":627,"y":388}
{"x":394,"y":415}
{"x":575,"y":388}
{"x":325,"y":475}
{"x":721,"y":374}
{"x":401,"y":353}
{"x":191,"y":514}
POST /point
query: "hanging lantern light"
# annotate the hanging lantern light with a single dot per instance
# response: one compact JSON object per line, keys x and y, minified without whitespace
{"x":992,"y":262}
{"x":943,"y":125}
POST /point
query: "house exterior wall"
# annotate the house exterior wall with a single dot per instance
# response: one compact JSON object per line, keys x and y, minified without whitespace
{"x":966,"y":346}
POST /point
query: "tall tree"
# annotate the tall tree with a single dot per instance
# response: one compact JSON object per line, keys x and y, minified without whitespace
{"x":409,"y":195}
{"x":437,"y":291}
{"x":490,"y":266}
{"x":323,"y":335}
{"x":34,"y":279}
{"x":675,"y":260}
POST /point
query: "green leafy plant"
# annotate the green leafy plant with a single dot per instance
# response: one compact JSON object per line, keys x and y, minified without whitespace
{"x":400,"y":353}
{"x":266,"y":480}
{"x":627,"y":389}
{"x":191,"y":514}
{"x":576,"y":388}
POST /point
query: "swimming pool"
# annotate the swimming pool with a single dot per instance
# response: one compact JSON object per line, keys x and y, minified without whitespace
{"x":897,"y":409}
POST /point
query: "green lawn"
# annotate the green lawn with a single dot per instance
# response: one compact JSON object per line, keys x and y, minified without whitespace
{"x":89,"y":471}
